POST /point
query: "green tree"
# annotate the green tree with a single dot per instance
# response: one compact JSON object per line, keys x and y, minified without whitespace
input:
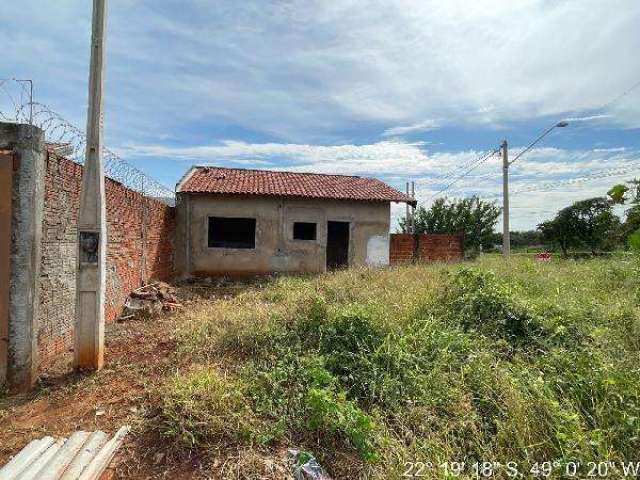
{"x":629,"y":193}
{"x":473,"y":217}
{"x":521,"y":238}
{"x":559,"y":231}
{"x":633,"y":241}
{"x":618,"y":193}
{"x":588,"y":223}
{"x":528,"y":238}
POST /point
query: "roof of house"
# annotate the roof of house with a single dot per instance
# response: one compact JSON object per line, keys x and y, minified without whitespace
{"x":240,"y":181}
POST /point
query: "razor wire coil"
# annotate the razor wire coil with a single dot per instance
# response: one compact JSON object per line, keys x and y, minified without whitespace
{"x":67,"y":140}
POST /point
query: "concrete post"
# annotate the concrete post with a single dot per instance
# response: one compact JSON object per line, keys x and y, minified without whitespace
{"x":6,"y":182}
{"x":27,"y":144}
{"x":407,"y":216}
{"x":92,"y":230}
{"x":413,"y":209}
{"x":506,"y":234}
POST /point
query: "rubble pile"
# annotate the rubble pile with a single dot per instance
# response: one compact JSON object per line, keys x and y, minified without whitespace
{"x":151,"y":300}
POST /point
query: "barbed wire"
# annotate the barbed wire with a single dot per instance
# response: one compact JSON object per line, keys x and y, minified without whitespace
{"x":67,"y":140}
{"x":16,"y":94}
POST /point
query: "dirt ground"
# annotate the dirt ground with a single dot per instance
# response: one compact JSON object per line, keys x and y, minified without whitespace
{"x":139,"y":353}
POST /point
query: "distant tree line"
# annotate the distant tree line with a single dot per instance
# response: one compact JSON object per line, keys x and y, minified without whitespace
{"x":587,"y":225}
{"x":521,"y":239}
{"x":592,"y":225}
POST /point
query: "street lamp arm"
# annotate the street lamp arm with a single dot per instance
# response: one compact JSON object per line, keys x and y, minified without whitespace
{"x":544,"y":134}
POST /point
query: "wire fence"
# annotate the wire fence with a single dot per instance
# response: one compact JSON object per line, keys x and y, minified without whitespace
{"x":17,"y":106}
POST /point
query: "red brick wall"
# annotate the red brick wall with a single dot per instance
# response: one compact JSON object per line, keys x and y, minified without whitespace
{"x":431,"y":247}
{"x":440,"y":247}
{"x":131,"y":258}
{"x":401,"y":248}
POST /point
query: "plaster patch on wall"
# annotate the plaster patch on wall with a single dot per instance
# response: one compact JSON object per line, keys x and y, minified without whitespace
{"x":378,"y":250}
{"x":281,"y":262}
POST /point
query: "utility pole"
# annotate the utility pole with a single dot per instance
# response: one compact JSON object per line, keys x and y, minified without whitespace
{"x":407,"y":218}
{"x":506,"y":236}
{"x":92,"y":232}
{"x":413,"y":209}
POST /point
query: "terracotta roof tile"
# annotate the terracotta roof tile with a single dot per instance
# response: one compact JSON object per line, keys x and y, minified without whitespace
{"x":241,"y":181}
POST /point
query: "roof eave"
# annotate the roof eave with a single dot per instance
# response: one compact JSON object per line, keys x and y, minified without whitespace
{"x":409,"y":201}
{"x":185,"y":178}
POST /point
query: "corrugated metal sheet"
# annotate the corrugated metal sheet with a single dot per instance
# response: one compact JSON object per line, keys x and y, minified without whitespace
{"x":83,"y":456}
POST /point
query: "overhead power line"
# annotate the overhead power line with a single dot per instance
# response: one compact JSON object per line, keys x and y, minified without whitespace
{"x":621,"y":96}
{"x":577,"y":180}
{"x":506,"y":164}
{"x":455,"y":171}
{"x":564,"y":123}
{"x":632,"y":168}
{"x":475,"y":164}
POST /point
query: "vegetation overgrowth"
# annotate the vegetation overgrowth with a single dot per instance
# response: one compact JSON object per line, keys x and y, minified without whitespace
{"x":371,"y":368}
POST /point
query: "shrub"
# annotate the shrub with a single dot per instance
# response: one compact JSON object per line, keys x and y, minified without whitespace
{"x":604,"y":394}
{"x":479,"y":302}
{"x":509,"y":362}
{"x":300,"y":393}
{"x":330,"y":413}
{"x":203,"y":407}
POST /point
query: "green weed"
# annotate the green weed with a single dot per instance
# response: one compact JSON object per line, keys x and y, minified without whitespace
{"x":371,"y":368}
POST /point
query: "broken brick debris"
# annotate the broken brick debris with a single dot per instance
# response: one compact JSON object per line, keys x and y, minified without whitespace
{"x":152,"y":300}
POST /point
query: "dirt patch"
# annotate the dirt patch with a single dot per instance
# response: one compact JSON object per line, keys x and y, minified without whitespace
{"x":139,"y":354}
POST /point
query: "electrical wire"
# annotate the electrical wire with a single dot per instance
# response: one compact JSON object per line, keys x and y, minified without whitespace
{"x":607,"y":173}
{"x":578,"y":180}
{"x":564,"y":123}
{"x":620,"y":97}
{"x":479,"y":161}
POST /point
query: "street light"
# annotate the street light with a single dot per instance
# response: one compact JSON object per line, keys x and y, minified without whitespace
{"x":506,"y":235}
{"x":561,"y":124}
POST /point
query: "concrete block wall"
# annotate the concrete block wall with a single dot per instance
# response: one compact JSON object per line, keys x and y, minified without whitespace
{"x":405,"y":247}
{"x":23,"y":153}
{"x":140,"y":242}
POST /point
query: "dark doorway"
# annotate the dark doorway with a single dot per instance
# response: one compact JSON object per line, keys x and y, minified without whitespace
{"x":337,"y":244}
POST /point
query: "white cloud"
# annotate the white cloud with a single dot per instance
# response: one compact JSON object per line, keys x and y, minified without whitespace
{"x":614,"y":149}
{"x":394,"y":158}
{"x":304,"y":71}
{"x":588,"y":118}
{"x":541,"y":167}
{"x":383,"y":158}
{"x":424,"y":126}
{"x":316,"y":81}
{"x":398,"y":162}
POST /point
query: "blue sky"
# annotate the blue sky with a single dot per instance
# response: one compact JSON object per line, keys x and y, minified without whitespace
{"x":401,"y":90}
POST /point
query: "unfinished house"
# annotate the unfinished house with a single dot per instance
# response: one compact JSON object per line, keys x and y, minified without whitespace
{"x":233,"y":222}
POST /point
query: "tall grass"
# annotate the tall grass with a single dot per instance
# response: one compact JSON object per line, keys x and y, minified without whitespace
{"x":370,"y":369}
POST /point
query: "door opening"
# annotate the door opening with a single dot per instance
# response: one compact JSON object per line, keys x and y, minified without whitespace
{"x":337,"y":244}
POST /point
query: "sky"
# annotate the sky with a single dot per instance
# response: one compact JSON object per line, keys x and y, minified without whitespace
{"x":402,"y":90}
